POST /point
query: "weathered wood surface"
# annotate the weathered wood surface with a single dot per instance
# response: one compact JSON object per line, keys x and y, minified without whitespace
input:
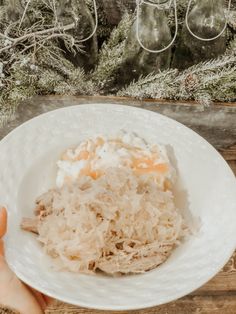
{"x":217,"y":124}
{"x":189,"y":305}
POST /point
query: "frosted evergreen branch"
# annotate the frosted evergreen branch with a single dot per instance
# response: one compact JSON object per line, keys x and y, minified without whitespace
{"x":187,"y":84}
{"x":232,"y":19}
{"x":24,"y":13}
{"x":34,"y":60}
{"x":54,"y":30}
{"x":111,"y":54}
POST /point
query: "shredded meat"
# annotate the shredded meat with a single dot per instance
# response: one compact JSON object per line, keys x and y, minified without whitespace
{"x":30,"y":224}
{"x":119,"y":223}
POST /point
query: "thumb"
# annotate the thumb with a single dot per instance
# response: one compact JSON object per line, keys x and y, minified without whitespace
{"x":1,"y":248}
{"x":3,"y":221}
{"x":3,"y":227}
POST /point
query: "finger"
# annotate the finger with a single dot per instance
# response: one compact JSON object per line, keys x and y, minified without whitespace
{"x":39,"y":297}
{"x":42,"y":299}
{"x":16,"y":295}
{"x":1,"y":248}
{"x":3,"y":221}
{"x":48,"y":300}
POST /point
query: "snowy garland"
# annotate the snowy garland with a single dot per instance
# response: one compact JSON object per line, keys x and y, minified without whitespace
{"x":34,"y":35}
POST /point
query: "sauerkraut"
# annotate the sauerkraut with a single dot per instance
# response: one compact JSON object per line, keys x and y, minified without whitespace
{"x":122,"y":221}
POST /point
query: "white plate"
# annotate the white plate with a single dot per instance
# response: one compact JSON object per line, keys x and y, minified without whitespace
{"x":27,"y":159}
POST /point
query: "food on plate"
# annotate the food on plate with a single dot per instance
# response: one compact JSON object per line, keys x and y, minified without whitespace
{"x":113,"y":208}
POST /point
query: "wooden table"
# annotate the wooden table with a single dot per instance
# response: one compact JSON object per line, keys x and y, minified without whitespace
{"x":217,"y":124}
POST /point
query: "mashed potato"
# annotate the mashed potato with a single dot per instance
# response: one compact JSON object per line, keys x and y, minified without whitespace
{"x":93,"y":156}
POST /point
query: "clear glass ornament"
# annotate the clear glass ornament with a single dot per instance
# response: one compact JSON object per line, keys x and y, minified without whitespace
{"x":85,"y":33}
{"x":203,"y":36}
{"x":151,"y":26}
{"x":114,"y":9}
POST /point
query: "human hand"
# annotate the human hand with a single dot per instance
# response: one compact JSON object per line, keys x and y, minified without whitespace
{"x":13,"y":293}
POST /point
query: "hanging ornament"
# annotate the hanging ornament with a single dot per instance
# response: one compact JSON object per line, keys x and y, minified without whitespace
{"x":203,"y":35}
{"x":147,"y":49}
{"x":114,"y":9}
{"x":85,"y":33}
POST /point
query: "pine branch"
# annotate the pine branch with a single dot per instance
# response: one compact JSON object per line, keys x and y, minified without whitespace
{"x":33,"y":62}
{"x":111,"y":54}
{"x":197,"y":80}
{"x":232,"y":19}
{"x":152,"y":86}
{"x":54,"y":31}
{"x":232,"y":46}
{"x":6,"y":112}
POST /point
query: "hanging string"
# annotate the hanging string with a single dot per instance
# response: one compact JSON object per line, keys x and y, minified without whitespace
{"x":201,"y":38}
{"x":151,"y":3}
{"x":96,"y":23}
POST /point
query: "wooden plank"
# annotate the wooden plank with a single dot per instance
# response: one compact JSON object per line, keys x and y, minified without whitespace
{"x":118,"y":99}
{"x":229,"y":153}
{"x":219,"y":294}
{"x":215,"y":123}
{"x":223,"y":282}
{"x":191,"y":304}
{"x":232,"y":164}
